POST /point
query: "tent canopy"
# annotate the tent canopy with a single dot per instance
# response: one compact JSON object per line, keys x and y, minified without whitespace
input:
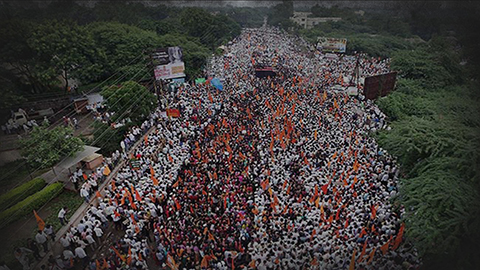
{"x":77,"y":157}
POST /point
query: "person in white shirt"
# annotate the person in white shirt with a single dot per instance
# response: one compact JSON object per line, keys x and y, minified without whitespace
{"x":82,"y":255}
{"x":61,"y":215}
{"x":84,"y":193}
{"x":49,"y":231}
{"x":81,"y":226}
{"x":65,"y":241}
{"x":91,"y":241}
{"x":68,"y":254}
{"x":41,"y":239}
{"x":98,"y":232}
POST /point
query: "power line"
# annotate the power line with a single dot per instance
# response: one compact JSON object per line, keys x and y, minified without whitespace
{"x":66,"y":182}
{"x":116,"y":81}
{"x":87,"y":126}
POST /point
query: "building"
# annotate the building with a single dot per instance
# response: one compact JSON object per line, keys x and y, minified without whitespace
{"x":302,"y":19}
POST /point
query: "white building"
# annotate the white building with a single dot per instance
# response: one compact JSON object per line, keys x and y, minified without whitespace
{"x":302,"y":19}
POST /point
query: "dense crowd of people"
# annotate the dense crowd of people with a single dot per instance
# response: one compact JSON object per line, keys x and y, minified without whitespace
{"x":272,"y":173}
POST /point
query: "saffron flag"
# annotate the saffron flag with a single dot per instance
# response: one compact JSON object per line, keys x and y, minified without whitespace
{"x":129,"y":258}
{"x":106,"y":171}
{"x":370,"y":257}
{"x":118,"y":254}
{"x":360,"y":259}
{"x":152,"y":176}
{"x":41,"y":223}
{"x":177,"y":204}
{"x":384,"y":248}
{"x":398,"y":239}
{"x":374,"y":211}
{"x":137,"y":195}
{"x":352,"y":262}
{"x":325,"y":188}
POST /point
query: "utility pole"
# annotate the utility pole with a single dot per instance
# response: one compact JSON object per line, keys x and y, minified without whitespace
{"x":154,"y":79}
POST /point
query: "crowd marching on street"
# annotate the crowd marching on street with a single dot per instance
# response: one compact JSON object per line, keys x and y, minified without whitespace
{"x":269,"y":173}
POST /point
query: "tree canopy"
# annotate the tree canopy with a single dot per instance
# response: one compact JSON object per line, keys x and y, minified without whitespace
{"x":436,"y":137}
{"x":44,"y":147}
{"x":129,"y":99}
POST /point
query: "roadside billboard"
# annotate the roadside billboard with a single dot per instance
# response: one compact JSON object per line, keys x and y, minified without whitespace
{"x":328,"y":44}
{"x":168,"y":63}
{"x":379,"y":85}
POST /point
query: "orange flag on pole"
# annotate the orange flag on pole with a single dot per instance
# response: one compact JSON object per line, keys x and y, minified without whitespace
{"x":210,"y":236}
{"x":177,"y":204}
{"x":398,"y":239}
{"x":41,"y":223}
{"x":129,"y":258}
{"x":374,"y":211}
{"x":370,"y":257}
{"x":137,"y":195}
{"x":152,"y":176}
{"x":360,"y":259}
{"x":384,"y":248}
{"x":106,"y":171}
{"x":352,"y":262}
{"x":118,"y":254}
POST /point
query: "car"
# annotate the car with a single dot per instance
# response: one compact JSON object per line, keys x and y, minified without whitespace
{"x":19,"y":118}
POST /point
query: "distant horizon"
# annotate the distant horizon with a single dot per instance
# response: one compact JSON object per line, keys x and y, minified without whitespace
{"x":223,"y":3}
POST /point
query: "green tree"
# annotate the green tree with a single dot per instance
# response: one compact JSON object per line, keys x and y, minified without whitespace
{"x":129,"y":100}
{"x":280,"y":14}
{"x":65,"y":49}
{"x":123,"y":46}
{"x":107,"y":137}
{"x":212,"y":30}
{"x":20,"y":59}
{"x":44,"y":147}
{"x":436,"y":137}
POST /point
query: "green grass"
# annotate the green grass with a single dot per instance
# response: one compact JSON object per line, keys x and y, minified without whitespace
{"x":71,"y":200}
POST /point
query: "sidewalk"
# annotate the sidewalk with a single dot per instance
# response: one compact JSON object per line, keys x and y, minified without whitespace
{"x":56,"y":248}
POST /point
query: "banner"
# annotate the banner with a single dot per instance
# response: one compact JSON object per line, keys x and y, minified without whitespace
{"x":173,"y":113}
{"x":379,"y":85}
{"x":200,"y":80}
{"x":338,"y":45}
{"x":168,"y":63}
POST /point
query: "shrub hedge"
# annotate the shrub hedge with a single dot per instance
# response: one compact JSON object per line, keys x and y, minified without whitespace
{"x":21,"y":192}
{"x":31,"y":203}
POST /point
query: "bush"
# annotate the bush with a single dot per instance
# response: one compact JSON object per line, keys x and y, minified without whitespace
{"x":31,"y":203}
{"x":67,"y":198}
{"x":21,"y":192}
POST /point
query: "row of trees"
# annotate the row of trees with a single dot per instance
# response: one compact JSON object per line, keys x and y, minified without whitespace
{"x":42,"y":47}
{"x":436,"y":137}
